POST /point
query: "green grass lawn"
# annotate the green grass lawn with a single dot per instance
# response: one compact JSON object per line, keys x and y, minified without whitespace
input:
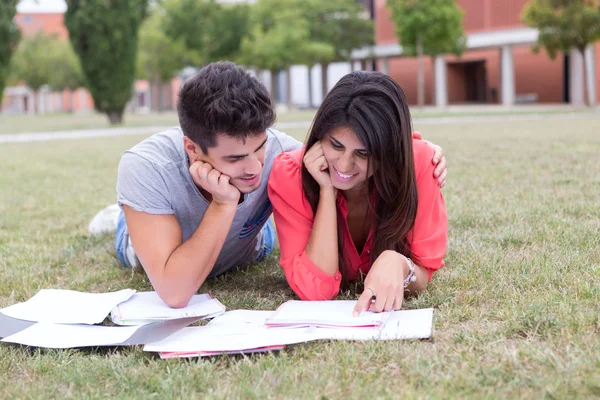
{"x":58,"y":122}
{"x":516,"y":306}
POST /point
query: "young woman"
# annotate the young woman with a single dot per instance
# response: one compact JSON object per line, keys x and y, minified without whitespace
{"x":360,"y":200}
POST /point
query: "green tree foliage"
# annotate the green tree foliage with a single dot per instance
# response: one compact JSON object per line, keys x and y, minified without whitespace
{"x":66,"y":69}
{"x":104,"y":34}
{"x":280,"y":37}
{"x":342,"y":24}
{"x":428,"y":27}
{"x":161,"y":57}
{"x":563,"y":25}
{"x":211,"y":30}
{"x":33,"y":62}
{"x":9,"y":37}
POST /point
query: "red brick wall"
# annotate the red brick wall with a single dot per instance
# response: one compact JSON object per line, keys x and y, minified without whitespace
{"x":476,"y":15}
{"x":506,"y":13}
{"x":384,"y":27}
{"x":537,"y":73}
{"x":405,"y":71}
{"x":50,"y":24}
{"x":481,"y":15}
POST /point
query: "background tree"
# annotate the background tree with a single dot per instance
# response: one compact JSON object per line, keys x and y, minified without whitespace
{"x":104,"y":35}
{"x":159,"y":57}
{"x":280,"y":38}
{"x":564,"y":25}
{"x":9,"y":37}
{"x":32,"y":63}
{"x":212,"y":31}
{"x":66,"y":69}
{"x":342,"y":24}
{"x":428,"y":27}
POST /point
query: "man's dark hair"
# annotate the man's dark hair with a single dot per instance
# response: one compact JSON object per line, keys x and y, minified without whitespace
{"x":223,"y":99}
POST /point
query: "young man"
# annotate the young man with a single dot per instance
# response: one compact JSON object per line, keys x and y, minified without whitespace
{"x":194,"y":198}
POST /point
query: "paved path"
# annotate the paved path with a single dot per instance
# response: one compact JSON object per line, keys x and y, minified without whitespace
{"x":124,"y":131}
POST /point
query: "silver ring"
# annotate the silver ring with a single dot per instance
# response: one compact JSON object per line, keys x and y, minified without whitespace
{"x":372,"y":291}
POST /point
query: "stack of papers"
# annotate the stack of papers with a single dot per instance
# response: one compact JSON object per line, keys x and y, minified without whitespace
{"x":328,"y":314}
{"x":147,"y":307}
{"x":62,"y":319}
{"x":246,"y":331}
{"x":235,"y":332}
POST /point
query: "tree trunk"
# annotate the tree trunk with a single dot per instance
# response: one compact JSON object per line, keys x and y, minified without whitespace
{"x":324,"y":80}
{"x":35,"y":102}
{"x":161,"y":96}
{"x":434,"y":83}
{"x":586,"y":101}
{"x":421,"y":75}
{"x":170,"y":96}
{"x":115,"y":117}
{"x":288,"y":84}
{"x":150,"y":99}
{"x":71,"y":101}
{"x":310,"y":89}
{"x":274,"y":87}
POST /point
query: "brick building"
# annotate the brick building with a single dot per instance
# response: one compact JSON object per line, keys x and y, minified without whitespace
{"x":497,"y":67}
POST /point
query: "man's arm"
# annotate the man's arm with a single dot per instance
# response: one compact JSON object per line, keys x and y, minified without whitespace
{"x":177,"y":269}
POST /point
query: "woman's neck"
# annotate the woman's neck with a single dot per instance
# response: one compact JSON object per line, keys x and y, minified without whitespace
{"x":356,"y":194}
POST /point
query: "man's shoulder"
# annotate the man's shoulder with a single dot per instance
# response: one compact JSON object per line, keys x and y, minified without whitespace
{"x":281,"y":142}
{"x":161,"y":149}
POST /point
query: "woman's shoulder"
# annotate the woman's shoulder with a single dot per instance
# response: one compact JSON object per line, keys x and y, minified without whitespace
{"x":286,"y":173}
{"x":290,"y":158}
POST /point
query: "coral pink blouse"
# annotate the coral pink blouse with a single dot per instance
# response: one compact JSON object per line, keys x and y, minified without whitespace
{"x":294,"y":220}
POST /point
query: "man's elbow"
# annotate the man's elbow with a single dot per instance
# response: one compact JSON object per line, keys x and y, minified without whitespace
{"x":175,"y":300}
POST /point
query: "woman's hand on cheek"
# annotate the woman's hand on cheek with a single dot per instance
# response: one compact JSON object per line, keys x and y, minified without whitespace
{"x":316,"y":164}
{"x":385,"y":281}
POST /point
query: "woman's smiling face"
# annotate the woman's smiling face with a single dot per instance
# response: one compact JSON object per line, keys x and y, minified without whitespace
{"x":347,"y":158}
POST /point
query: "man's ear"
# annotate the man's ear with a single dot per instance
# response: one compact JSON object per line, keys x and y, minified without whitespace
{"x":193,"y":151}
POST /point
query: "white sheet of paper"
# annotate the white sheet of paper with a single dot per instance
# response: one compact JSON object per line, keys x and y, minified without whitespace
{"x":408,"y":324}
{"x":228,"y":337}
{"x":237,"y":317}
{"x":67,"y":306}
{"x":404,"y":324}
{"x":146,"y":307}
{"x":60,"y":336}
{"x":334,"y":313}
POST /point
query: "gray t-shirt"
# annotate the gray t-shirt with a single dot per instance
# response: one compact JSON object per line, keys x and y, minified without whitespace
{"x":154,"y":178}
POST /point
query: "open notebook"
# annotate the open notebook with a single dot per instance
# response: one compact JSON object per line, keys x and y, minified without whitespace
{"x":332,"y":314}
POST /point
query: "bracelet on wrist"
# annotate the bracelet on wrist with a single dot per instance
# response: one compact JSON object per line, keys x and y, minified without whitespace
{"x":411,"y":272}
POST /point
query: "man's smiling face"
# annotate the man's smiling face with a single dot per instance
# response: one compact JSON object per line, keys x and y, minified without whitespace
{"x":240,"y":159}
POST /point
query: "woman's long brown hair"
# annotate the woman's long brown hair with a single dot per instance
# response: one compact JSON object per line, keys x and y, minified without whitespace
{"x":374,"y":106}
